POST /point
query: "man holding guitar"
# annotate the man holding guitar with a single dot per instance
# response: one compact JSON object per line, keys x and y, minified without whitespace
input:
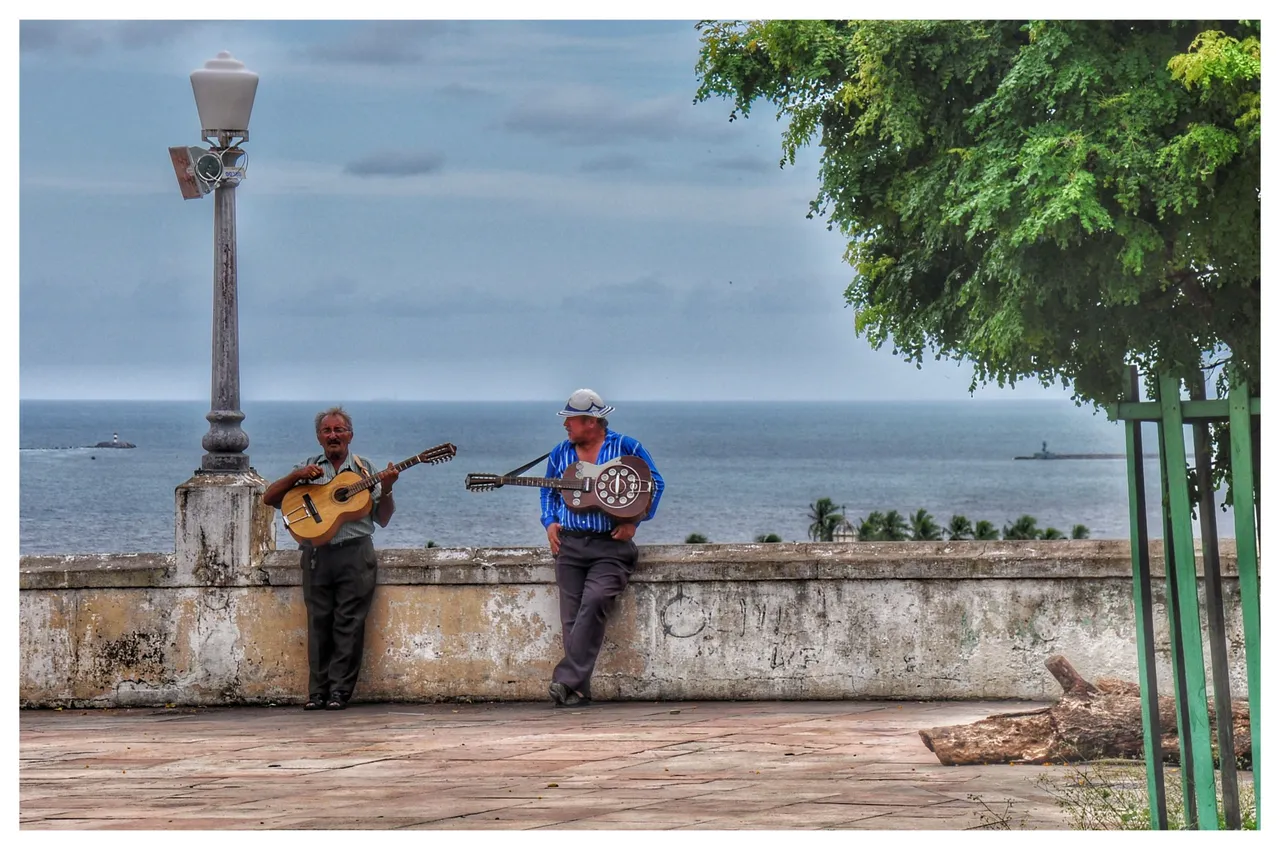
{"x":594,"y":552}
{"x":338,"y":576}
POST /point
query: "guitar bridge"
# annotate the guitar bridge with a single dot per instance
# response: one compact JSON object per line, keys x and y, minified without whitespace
{"x":308,"y":511}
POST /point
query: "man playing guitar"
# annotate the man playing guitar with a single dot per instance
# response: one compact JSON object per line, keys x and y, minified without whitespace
{"x":338,"y":577}
{"x":594,"y":552}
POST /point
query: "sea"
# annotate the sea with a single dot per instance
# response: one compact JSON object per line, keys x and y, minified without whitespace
{"x":733,"y":470}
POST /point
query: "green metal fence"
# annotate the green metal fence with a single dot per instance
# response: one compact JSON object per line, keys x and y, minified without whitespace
{"x":1171,"y":414}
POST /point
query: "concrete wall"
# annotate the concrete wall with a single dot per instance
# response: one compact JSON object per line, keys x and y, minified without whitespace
{"x":771,"y":621}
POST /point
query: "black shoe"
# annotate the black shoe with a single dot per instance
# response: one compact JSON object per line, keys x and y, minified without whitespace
{"x":576,"y":700}
{"x":315,"y":702}
{"x":565,"y":697}
{"x":338,"y":701}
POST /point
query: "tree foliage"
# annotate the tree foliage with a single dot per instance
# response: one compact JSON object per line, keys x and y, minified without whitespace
{"x":1023,"y":528}
{"x":1048,"y":199}
{"x":959,"y":528}
{"x":889,"y":525}
{"x":825,"y":519}
{"x":985,"y":530}
{"x":923,"y":526}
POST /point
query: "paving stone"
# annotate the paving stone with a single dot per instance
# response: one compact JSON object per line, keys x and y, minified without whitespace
{"x":509,"y":766}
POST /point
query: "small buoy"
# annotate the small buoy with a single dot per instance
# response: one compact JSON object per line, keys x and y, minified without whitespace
{"x":93,"y":457}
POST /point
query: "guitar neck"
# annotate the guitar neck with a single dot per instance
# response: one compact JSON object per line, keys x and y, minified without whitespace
{"x":370,"y":481}
{"x":528,"y":481}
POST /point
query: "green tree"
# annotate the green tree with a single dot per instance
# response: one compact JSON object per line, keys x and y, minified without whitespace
{"x":768,"y":538}
{"x":1023,"y":528}
{"x":923,"y":527}
{"x":1052,"y":533}
{"x":984,"y":530}
{"x":1047,"y":199}
{"x":696,"y":538}
{"x":959,"y":528}
{"x":871,"y":528}
{"x":825,"y":519}
{"x":1079,"y":532}
{"x":895,"y":527}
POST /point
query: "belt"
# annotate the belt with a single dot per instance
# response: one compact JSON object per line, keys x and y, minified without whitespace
{"x":575,"y":532}
{"x":352,"y":542}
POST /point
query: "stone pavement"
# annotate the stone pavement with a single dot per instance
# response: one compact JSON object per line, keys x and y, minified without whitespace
{"x":506,"y":766}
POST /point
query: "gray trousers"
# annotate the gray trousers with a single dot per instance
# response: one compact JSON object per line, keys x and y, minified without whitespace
{"x":591,"y":572}
{"x":337,"y":585}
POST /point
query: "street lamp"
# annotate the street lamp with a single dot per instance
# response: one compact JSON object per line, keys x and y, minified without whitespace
{"x":224,"y":90}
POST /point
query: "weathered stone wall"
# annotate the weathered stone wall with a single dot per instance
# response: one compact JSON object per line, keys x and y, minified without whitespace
{"x":776,"y":621}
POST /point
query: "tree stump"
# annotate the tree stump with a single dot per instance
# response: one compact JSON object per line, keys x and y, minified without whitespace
{"x":1089,"y":721}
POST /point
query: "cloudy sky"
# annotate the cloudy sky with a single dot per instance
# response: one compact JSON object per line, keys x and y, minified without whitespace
{"x":433,"y":210}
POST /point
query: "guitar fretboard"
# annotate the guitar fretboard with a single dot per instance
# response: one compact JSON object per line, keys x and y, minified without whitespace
{"x":528,"y":481}
{"x":431,"y":455}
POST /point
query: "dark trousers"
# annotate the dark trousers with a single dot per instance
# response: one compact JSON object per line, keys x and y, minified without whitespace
{"x":591,"y":572}
{"x":337,"y":585}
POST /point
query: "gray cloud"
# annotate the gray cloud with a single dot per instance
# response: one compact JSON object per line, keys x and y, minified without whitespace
{"x":614,"y":164}
{"x":382,"y":43}
{"x":461,"y":91}
{"x":644,"y":295}
{"x":598,"y":118}
{"x":88,"y":37}
{"x":765,"y":298}
{"x":745,"y":162}
{"x":395,"y":164}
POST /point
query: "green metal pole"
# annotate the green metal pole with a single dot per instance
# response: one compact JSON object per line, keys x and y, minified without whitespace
{"x":1247,"y":567}
{"x":1189,"y":605}
{"x":1177,"y":653}
{"x":1143,"y":618}
{"x":1215,"y":616}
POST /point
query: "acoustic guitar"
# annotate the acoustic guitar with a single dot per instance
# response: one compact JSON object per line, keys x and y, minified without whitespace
{"x":621,"y":488}
{"x":313,"y":513}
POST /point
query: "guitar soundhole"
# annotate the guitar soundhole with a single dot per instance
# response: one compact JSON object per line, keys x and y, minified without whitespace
{"x":619,"y":486}
{"x":341,"y":494}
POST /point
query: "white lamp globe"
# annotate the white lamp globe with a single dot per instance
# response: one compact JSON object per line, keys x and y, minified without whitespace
{"x":224,"y":91}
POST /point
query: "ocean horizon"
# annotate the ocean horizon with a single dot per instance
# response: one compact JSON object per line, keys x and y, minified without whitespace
{"x":733,"y":469}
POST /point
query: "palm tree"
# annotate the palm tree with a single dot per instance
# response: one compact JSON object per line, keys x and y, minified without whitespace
{"x":959,"y":528}
{"x":1080,"y":532}
{"x":1023,"y":528}
{"x":984,"y":530}
{"x":825,"y":518}
{"x":1052,"y":533}
{"x":895,"y":526}
{"x":696,"y":538}
{"x":923,"y":527}
{"x":871,"y":528}
{"x":768,"y":538}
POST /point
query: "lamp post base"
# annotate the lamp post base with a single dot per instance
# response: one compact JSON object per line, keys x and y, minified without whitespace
{"x":219,"y":462}
{"x":223,"y":528}
{"x":225,"y":443}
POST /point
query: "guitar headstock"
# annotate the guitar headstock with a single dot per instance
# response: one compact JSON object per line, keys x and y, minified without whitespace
{"x":479,"y":481}
{"x":438,"y":454}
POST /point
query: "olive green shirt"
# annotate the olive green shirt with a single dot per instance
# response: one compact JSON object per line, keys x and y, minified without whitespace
{"x":352,"y":528}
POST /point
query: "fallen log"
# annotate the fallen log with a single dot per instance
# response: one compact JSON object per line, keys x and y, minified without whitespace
{"x":1088,"y":722}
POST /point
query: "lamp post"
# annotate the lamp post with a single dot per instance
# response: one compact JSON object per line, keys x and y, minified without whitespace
{"x":223,"y":529}
{"x":224,"y":90}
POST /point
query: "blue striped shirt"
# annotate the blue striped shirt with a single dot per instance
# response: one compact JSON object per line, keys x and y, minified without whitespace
{"x":615,"y":446}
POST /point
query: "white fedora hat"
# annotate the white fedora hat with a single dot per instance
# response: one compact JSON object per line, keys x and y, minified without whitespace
{"x":586,"y":403}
